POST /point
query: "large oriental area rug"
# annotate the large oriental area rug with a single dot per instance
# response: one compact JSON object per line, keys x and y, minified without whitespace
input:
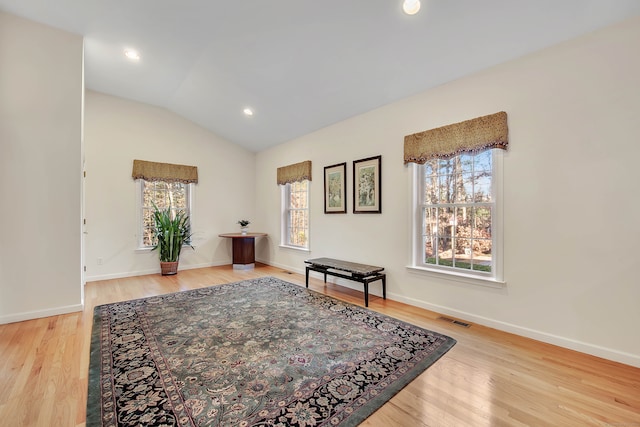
{"x":260,"y":352}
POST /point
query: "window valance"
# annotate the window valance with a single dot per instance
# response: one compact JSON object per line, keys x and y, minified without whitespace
{"x":167,"y":172}
{"x":294,"y":173}
{"x":470,"y":136}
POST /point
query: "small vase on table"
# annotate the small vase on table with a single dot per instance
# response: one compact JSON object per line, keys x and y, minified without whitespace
{"x":244,"y":226}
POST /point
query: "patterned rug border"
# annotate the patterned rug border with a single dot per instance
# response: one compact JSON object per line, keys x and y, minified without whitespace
{"x":93,"y":392}
{"x":94,"y":407}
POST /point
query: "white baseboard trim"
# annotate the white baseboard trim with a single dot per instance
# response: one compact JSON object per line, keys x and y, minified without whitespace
{"x":592,"y":349}
{"x":284,"y":267}
{"x":37,"y":314}
{"x":152,"y":271}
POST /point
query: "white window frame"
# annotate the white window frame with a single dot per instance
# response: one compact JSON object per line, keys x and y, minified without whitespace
{"x":284,"y":218}
{"x":139,"y":208}
{"x":493,"y":279}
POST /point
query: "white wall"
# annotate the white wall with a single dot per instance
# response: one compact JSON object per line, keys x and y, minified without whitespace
{"x":571,"y":205}
{"x":117,"y":131}
{"x":40,"y":168}
{"x":573,"y":124}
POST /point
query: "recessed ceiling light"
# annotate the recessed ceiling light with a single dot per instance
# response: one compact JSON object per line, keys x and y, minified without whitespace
{"x":248,"y":112}
{"x":132,"y":54}
{"x":411,"y":7}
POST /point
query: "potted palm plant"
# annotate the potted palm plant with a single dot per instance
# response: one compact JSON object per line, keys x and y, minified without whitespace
{"x":172,"y":230}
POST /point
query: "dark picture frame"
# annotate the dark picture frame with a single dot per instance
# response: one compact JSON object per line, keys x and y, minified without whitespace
{"x":335,"y":188}
{"x":367,"y":185}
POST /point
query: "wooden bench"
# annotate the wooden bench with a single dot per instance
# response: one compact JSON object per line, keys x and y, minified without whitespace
{"x":357,"y":272}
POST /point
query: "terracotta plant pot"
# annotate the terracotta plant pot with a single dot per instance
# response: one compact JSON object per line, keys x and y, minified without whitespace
{"x":169,"y":268}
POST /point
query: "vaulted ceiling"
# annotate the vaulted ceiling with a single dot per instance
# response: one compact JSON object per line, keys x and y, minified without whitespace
{"x":301,"y":65}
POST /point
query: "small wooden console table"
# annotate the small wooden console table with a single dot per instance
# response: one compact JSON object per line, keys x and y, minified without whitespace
{"x":358,"y":272}
{"x":244,"y":250}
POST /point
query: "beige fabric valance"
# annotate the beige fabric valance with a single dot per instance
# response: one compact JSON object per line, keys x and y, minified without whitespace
{"x":294,"y":173}
{"x":470,"y":136}
{"x":167,"y":172}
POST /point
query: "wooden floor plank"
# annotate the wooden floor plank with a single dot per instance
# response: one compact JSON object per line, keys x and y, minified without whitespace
{"x":490,"y":378}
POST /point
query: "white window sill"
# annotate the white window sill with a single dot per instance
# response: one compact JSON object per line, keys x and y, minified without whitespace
{"x":459,"y":277}
{"x":295,"y":248}
{"x":144,"y":249}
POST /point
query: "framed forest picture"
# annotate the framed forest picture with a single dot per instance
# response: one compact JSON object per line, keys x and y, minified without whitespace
{"x":367,"y":183}
{"x":335,"y":182}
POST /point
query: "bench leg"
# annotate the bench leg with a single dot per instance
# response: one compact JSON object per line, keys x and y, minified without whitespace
{"x":366,"y":289}
{"x":307,"y":277}
{"x":384,"y":286}
{"x":366,"y":293}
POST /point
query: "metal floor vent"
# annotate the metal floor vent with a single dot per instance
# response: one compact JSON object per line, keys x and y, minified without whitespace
{"x":454,"y":321}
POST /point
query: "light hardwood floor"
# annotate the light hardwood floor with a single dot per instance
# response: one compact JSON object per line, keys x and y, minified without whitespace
{"x":489,"y":378}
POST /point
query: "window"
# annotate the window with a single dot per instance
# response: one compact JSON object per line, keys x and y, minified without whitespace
{"x":295,"y":214}
{"x":174,"y":195}
{"x":457,"y":219}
